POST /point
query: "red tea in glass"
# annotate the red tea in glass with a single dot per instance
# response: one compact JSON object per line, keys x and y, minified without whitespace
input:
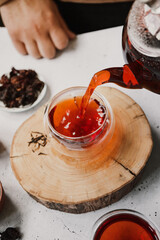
{"x":66,"y":117}
{"x":125,"y":225}
{"x":78,"y":122}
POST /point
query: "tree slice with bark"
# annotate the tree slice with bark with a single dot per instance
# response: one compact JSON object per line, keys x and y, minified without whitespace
{"x":89,"y":180}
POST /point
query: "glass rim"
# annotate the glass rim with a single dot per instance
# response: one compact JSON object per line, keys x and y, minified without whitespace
{"x":106,"y":105}
{"x":117,"y":212}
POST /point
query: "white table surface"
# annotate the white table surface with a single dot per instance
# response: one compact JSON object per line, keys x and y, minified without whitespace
{"x":89,"y":53}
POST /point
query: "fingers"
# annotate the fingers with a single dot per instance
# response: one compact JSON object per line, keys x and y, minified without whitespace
{"x":46,"y":47}
{"x":20,"y":47}
{"x":59,"y":32}
{"x":37,"y":28}
{"x":59,"y":38}
{"x":32,"y":48}
{"x":43,"y":48}
{"x":69,"y":33}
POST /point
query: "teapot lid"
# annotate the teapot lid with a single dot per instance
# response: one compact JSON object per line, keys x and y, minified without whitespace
{"x":144,"y":27}
{"x":153,"y":4}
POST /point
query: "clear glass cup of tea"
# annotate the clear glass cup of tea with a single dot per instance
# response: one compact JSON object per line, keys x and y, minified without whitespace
{"x":75,"y":134}
{"x":124,"y":224}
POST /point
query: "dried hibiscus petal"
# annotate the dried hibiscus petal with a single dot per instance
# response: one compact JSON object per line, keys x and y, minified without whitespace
{"x":21,"y":88}
{"x":10,"y":234}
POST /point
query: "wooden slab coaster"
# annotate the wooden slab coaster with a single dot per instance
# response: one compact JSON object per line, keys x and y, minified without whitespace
{"x":74,"y":185}
{"x":1,"y":196}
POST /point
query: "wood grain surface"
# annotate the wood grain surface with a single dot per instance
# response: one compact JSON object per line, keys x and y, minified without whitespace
{"x":82,"y":181}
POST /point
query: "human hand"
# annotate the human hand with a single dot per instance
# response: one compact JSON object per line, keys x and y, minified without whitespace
{"x":36,"y":27}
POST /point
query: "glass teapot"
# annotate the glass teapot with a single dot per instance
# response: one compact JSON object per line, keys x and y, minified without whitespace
{"x":141,"y":43}
{"x":142,"y":29}
{"x":141,"y":48}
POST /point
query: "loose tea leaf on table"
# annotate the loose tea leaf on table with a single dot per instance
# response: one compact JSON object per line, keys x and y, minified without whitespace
{"x":38,"y":140}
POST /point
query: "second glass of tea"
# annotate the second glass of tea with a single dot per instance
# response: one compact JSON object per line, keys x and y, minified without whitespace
{"x":78,"y":132}
{"x":124,"y":224}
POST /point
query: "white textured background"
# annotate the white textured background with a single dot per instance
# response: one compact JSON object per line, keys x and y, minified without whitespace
{"x":89,"y":53}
